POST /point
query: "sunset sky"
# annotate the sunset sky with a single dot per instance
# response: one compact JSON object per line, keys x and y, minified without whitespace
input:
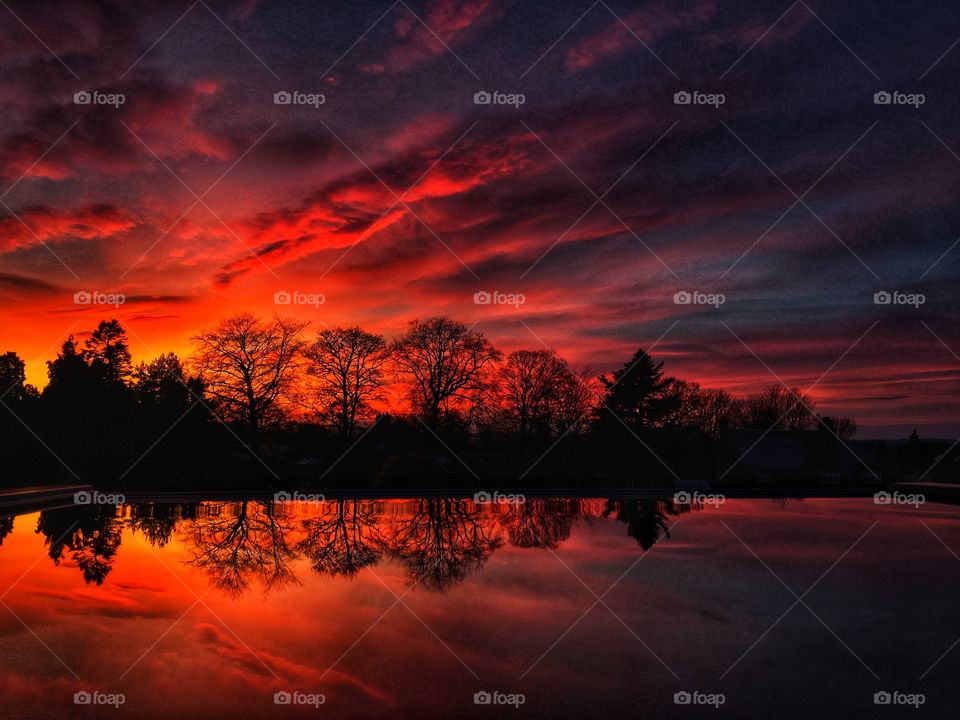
{"x":597,"y":199}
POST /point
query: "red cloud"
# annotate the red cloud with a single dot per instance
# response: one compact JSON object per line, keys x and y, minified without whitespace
{"x":362,"y":206}
{"x":45,"y":223}
{"x":449,"y":22}
{"x":648,"y":24}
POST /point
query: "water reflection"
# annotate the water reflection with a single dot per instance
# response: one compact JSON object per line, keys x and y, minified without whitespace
{"x":90,"y":537}
{"x":238,"y":544}
{"x":6,"y":527}
{"x":646,"y":520}
{"x":345,"y":537}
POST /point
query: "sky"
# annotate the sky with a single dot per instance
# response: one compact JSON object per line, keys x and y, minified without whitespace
{"x":582,"y":199}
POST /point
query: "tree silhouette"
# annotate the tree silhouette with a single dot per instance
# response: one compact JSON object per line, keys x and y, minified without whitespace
{"x":107,"y":352}
{"x":445,"y":364}
{"x":89,"y":416}
{"x":246,"y":542}
{"x":778,"y":408}
{"x":99,"y":420}
{"x":249,"y":367}
{"x":638,"y":394}
{"x":163,"y":381}
{"x":538,"y":393}
{"x":348,"y":364}
{"x":705,"y":410}
{"x":345,"y":538}
{"x":12,"y":378}
{"x":18,"y":412}
{"x":171,"y":408}
{"x":842,"y":427}
{"x":572,"y":401}
{"x":70,"y":378}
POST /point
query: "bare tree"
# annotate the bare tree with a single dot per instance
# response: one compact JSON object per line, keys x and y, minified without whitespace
{"x":573,"y":401}
{"x":446,"y":364}
{"x":704,"y":409}
{"x":527,"y":384}
{"x":349,"y":366}
{"x":779,"y":408}
{"x":249,"y":367}
{"x":539,"y":392}
{"x":842,"y":427}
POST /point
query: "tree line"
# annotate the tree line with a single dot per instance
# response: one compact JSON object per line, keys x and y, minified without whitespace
{"x":260,"y":372}
{"x":250,"y":377}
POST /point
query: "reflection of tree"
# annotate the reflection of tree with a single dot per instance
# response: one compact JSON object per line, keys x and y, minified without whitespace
{"x":235,"y":547}
{"x":344,"y":539}
{"x":157,"y":521}
{"x":442,"y":541}
{"x":645,"y":519}
{"x":541,"y":523}
{"x":90,"y":535}
{"x":6,"y":526}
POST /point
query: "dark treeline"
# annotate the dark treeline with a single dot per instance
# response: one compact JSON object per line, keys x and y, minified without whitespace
{"x":438,"y":541}
{"x":260,"y":400}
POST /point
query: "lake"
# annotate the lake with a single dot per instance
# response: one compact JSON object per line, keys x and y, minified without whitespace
{"x":440,"y":607}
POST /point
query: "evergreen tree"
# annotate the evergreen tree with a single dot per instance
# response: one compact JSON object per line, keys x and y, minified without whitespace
{"x":108,"y":352}
{"x":639,"y":394}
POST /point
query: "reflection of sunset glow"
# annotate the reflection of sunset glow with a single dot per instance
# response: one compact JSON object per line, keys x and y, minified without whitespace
{"x":307,"y":580}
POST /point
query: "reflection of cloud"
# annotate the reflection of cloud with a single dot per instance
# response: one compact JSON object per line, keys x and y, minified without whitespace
{"x":114,"y":601}
{"x":33,"y":691}
{"x":292,"y":675}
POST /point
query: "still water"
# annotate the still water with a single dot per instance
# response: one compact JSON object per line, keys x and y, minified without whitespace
{"x":440,"y":608}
